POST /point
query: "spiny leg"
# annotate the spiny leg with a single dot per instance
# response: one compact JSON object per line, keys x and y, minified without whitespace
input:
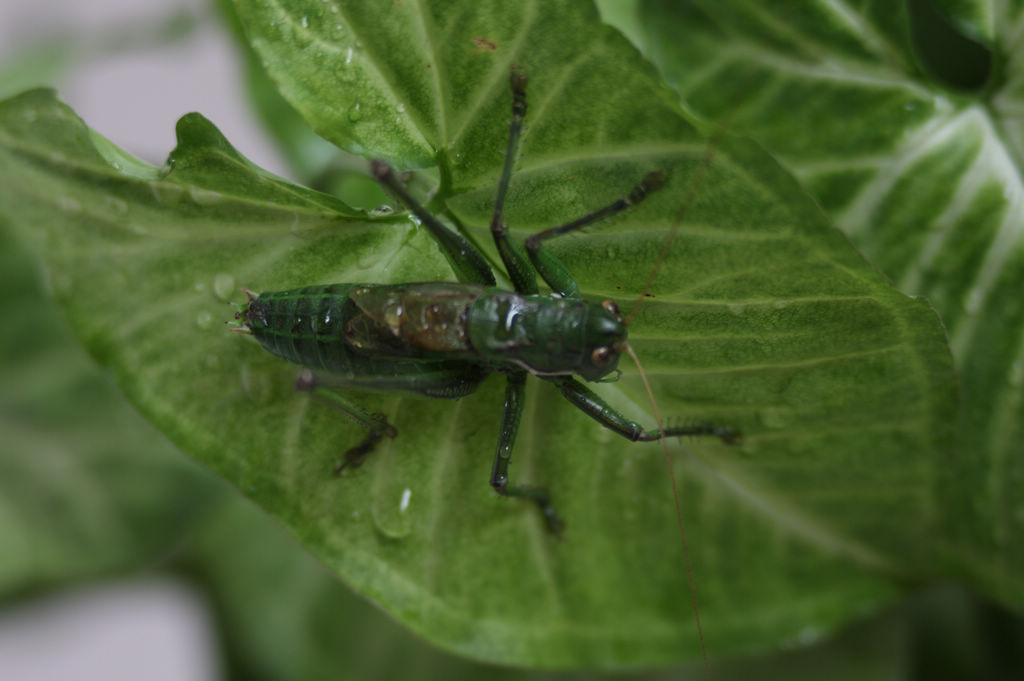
{"x":551,"y":268}
{"x":593,"y":406}
{"x":513,"y":411}
{"x":522,"y":274}
{"x":469,"y":263}
{"x":376,"y":424}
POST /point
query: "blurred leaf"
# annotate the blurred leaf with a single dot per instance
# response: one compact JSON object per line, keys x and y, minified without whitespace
{"x":976,"y":18}
{"x":86,"y":486}
{"x":926,"y":183}
{"x":48,"y":59}
{"x":763,"y":317}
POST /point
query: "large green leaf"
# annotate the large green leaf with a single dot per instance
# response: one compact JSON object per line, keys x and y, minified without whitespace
{"x":133,"y":502}
{"x":927,"y":183}
{"x":281,"y":614}
{"x":762,"y":317}
{"x":284,"y":617}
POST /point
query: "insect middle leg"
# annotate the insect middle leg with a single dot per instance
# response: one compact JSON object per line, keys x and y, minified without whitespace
{"x":376,"y":423}
{"x":511,"y":416}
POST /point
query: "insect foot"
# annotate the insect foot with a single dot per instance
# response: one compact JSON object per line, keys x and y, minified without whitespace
{"x":536,"y":495}
{"x":355,"y":456}
{"x":376,"y":423}
{"x":727,"y":434}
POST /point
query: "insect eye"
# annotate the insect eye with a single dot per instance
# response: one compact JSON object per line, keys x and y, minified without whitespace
{"x":611,"y":308}
{"x":601,"y":356}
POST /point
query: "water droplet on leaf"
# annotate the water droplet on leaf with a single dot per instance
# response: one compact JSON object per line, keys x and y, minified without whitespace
{"x":223,"y":285}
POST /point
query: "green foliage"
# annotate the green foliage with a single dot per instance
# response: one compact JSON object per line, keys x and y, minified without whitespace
{"x":924,"y":181}
{"x":850,"y":482}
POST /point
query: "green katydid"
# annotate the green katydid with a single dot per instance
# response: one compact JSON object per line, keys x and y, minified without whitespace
{"x":441,"y":339}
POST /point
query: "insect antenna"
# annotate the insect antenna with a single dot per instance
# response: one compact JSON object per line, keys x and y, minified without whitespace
{"x":675,"y":497}
{"x":691,"y":192}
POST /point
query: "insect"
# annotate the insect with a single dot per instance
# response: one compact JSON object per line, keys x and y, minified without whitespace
{"x":442,"y":339}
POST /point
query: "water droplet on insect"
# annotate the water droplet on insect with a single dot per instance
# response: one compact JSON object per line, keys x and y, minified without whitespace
{"x":404,"y":503}
{"x":223,"y":286}
{"x":354,"y":114}
{"x":348,"y":56}
{"x":204,"y":319}
{"x":69,"y":205}
{"x":393,"y":315}
{"x":116,"y":205}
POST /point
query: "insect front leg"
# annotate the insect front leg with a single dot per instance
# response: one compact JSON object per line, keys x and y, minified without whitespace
{"x":551,"y":268}
{"x":375,"y":423}
{"x":587,"y":401}
{"x":513,"y":411}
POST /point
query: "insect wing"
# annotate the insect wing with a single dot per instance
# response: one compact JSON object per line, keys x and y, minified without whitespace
{"x":412,"y":319}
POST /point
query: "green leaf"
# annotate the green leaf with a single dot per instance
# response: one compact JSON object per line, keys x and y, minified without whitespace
{"x":925,"y":182}
{"x":133,"y":503}
{"x":285,"y":617}
{"x":976,"y":18}
{"x":86,"y":486}
{"x":762,"y":318}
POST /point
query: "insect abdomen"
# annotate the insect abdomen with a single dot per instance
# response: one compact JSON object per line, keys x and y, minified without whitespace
{"x":305,"y":325}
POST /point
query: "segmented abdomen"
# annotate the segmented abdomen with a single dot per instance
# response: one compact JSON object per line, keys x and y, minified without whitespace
{"x":305,"y":325}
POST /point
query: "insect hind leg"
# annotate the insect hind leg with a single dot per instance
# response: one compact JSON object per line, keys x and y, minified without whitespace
{"x":520,"y":271}
{"x":468,"y":263}
{"x":375,"y":423}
